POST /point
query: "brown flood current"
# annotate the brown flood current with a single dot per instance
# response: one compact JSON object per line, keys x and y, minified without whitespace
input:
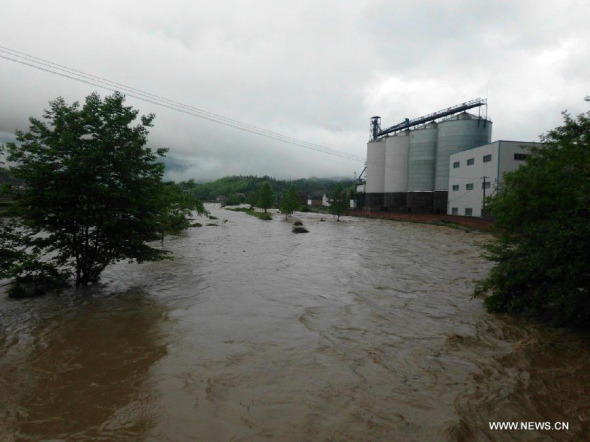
{"x":358,"y":330}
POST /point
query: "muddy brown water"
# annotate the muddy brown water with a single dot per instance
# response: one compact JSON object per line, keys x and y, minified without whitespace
{"x":358,"y":330}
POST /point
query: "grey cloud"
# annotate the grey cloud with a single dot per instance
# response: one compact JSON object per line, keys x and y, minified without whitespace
{"x":316,"y":71}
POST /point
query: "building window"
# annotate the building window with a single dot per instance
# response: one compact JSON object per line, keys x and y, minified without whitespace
{"x":487,"y":158}
{"x":455,"y":187}
{"x":486,"y":185}
{"x":520,"y":156}
{"x":456,"y":164}
{"x":469,"y":186}
{"x":468,"y":212}
{"x":455,"y":211}
{"x":470,"y":162}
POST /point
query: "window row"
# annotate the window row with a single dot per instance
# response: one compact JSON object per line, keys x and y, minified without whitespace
{"x":471,"y":161}
{"x":469,"y":186}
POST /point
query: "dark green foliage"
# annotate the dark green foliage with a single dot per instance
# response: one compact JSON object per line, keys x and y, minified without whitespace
{"x":290,"y":201}
{"x":340,"y":203}
{"x":178,"y":206}
{"x":297,"y":223}
{"x":265,"y":196}
{"x":542,"y":254}
{"x":93,"y":192}
{"x":299,"y":229}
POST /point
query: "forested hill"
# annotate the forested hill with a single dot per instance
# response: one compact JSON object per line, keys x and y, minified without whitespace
{"x":232,"y":185}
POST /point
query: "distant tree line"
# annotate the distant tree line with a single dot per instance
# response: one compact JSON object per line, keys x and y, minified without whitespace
{"x":249,"y":186}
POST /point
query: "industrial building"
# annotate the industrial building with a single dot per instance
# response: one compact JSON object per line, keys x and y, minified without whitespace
{"x":408,"y":164}
{"x":477,"y":173}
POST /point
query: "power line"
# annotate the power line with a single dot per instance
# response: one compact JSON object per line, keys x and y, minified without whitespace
{"x":93,"y":80}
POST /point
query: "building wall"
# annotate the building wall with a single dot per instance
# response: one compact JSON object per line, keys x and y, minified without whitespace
{"x":461,"y":197}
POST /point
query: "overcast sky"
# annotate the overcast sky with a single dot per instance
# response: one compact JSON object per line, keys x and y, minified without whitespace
{"x":312,"y":70}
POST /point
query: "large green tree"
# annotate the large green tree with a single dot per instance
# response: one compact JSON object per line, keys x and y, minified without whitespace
{"x":542,"y":210}
{"x":290,"y":202}
{"x":265,"y":196}
{"x":340,"y":203}
{"x":92,"y":191}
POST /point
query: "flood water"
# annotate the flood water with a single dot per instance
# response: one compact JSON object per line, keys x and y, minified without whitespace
{"x":357,"y":330}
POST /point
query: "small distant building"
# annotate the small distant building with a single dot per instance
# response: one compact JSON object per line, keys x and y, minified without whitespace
{"x":325,"y":201}
{"x":314,"y":201}
{"x":479,"y":171}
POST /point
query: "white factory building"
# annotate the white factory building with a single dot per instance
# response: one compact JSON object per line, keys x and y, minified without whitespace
{"x":476,"y":172}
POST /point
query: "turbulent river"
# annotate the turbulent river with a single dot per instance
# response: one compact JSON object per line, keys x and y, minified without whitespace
{"x":357,"y":330}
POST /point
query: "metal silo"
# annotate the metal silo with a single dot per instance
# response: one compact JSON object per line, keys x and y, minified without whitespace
{"x":375,"y":174}
{"x":465,"y":131}
{"x":422,"y":158}
{"x":396,"y":171}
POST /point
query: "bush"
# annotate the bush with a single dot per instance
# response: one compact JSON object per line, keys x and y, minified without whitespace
{"x":542,"y":210}
{"x":300,"y":229}
{"x":297,"y":223}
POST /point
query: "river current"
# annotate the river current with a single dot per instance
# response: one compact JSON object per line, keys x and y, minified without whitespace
{"x":358,"y":330}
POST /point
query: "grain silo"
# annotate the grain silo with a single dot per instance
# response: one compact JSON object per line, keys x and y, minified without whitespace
{"x":421,"y":168}
{"x":396,"y":171}
{"x":461,"y":132}
{"x":375,"y":175}
{"x":465,"y":131}
{"x":408,"y":163}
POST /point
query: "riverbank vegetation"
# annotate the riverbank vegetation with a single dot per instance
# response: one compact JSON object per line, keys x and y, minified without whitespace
{"x":265,"y":216}
{"x":542,"y":211}
{"x":244,"y":189}
{"x":92,"y":195}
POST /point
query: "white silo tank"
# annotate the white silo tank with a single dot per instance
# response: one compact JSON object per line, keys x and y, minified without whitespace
{"x":422,"y":158}
{"x":463,"y":132}
{"x":375,"y":166}
{"x":396,"y":163}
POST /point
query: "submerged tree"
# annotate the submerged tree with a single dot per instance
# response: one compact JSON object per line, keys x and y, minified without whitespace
{"x":93,"y":191}
{"x":265,"y":196}
{"x":542,"y":210}
{"x":340,"y":203}
{"x":178,"y":206}
{"x":290,"y":201}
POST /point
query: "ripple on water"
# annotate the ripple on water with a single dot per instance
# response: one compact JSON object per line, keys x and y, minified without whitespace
{"x":359,"y":330}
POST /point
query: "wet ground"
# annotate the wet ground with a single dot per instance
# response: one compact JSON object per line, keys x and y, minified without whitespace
{"x":357,"y":330}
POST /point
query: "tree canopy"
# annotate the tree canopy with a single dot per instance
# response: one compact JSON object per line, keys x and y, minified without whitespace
{"x":265,"y":196}
{"x":92,"y":194}
{"x":339,"y":204}
{"x":290,"y":201}
{"x":542,"y":211}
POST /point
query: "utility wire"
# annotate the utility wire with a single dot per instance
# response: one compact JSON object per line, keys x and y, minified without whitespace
{"x":83,"y":77}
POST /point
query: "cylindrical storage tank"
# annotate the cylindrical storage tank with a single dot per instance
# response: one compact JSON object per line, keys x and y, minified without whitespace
{"x":375,"y":167}
{"x":422,"y":158}
{"x":396,"y":163}
{"x":463,"y":132}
